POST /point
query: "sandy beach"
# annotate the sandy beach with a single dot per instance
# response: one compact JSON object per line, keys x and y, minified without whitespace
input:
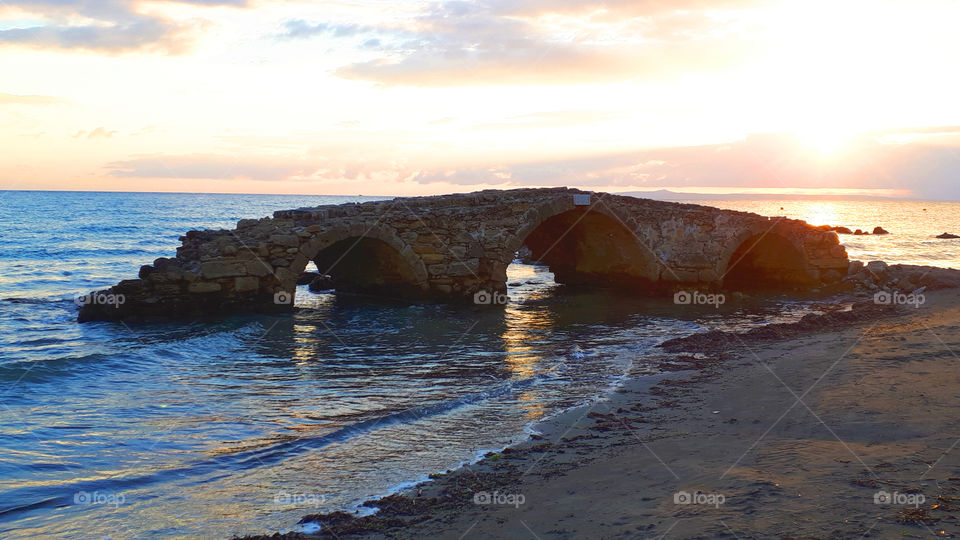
{"x":840,"y":426}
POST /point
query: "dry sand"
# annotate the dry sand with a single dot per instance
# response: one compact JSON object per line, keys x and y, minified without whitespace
{"x":771,"y":437}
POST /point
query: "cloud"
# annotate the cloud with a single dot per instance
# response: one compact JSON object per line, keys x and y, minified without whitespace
{"x":298,"y":28}
{"x":97,"y":133}
{"x":760,"y":160}
{"x":113,"y":26}
{"x":15,"y":99}
{"x":763,"y":160}
{"x":207,"y":166}
{"x":497,"y":42}
{"x":549,"y":119}
{"x":619,"y":8}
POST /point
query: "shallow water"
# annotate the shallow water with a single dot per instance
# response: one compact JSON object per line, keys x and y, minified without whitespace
{"x":245,"y":424}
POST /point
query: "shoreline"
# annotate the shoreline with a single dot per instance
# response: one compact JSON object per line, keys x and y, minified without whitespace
{"x":615,"y":438}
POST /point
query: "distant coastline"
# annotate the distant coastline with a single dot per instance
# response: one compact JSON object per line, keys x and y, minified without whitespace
{"x":660,"y":195}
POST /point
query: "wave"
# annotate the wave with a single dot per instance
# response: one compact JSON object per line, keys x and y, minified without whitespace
{"x":15,"y":300}
{"x":53,"y":496}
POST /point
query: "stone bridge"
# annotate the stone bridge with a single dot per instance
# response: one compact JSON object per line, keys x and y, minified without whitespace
{"x":448,"y":248}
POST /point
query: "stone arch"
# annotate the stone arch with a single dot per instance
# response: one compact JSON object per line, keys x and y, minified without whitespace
{"x":584,"y":245}
{"x":365,"y":260}
{"x":759,"y":259}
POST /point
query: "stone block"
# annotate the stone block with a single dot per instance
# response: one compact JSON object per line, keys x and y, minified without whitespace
{"x":285,"y":240}
{"x":258,"y":268}
{"x":204,"y":287}
{"x":244,"y":284}
{"x":709,"y":276}
{"x":432,"y":258}
{"x":222,"y":268}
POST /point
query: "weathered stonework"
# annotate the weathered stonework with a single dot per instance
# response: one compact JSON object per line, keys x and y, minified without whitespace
{"x":449,"y":247}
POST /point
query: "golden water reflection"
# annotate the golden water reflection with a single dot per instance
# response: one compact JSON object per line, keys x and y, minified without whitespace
{"x":820,"y":213}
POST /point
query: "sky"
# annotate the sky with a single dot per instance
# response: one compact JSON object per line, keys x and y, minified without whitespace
{"x":378,"y":97}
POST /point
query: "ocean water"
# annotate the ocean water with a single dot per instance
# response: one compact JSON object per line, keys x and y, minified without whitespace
{"x":913,"y":226}
{"x":245,"y":424}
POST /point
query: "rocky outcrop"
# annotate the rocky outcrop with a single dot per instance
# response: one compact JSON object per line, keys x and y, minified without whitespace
{"x":452,"y":247}
{"x":878,"y":276}
{"x":947,"y":236}
{"x":321,"y":283}
{"x":858,"y":232}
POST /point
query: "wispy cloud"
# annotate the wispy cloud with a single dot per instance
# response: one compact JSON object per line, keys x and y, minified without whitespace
{"x":15,"y":99}
{"x":299,"y":28}
{"x":111,"y":26}
{"x":207,"y":166}
{"x":96,"y":133}
{"x":469,"y":43}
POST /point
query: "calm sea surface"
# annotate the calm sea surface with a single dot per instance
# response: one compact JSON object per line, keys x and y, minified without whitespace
{"x":246,"y":424}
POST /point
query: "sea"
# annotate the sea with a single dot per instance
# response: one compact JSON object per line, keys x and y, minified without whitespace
{"x":245,"y":424}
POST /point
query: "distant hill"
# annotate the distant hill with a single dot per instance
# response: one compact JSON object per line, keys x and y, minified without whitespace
{"x":667,"y":195}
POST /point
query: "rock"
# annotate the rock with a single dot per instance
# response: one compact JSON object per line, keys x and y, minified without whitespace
{"x":880,"y":230}
{"x":525,"y":255}
{"x":877,"y":267}
{"x":854,"y":267}
{"x":285,"y":240}
{"x":218,"y":269}
{"x":245,"y":284}
{"x":307,"y":277}
{"x":858,"y":232}
{"x":947,"y":236}
{"x":228,"y":250}
{"x":842,"y":230}
{"x":321,"y":283}
{"x":830,"y":276}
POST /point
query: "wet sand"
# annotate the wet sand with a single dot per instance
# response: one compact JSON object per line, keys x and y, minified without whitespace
{"x":790,"y":431}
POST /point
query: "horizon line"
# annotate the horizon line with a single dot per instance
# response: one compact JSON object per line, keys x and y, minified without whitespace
{"x":627,"y":193}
